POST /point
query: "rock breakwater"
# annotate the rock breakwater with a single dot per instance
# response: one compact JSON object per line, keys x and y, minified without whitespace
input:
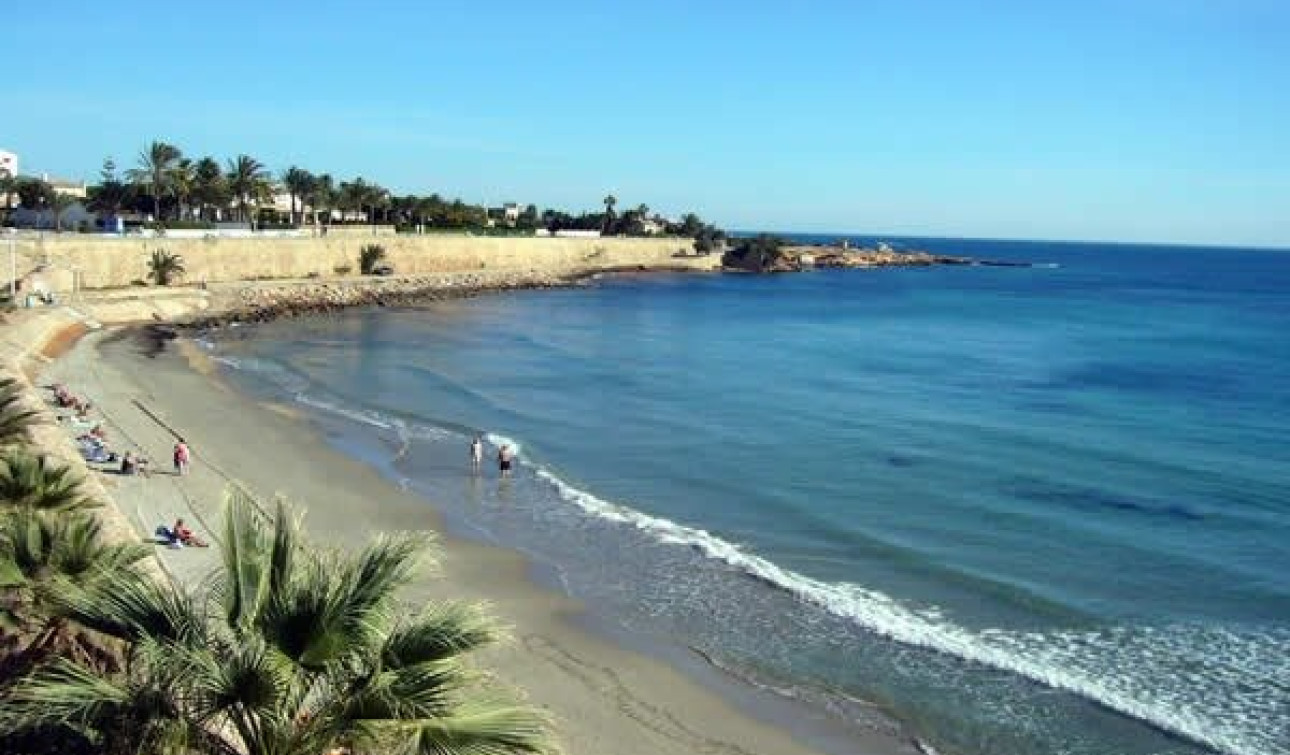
{"x":259,"y":302}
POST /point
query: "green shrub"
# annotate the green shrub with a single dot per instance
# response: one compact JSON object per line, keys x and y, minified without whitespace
{"x":164,"y":267}
{"x":368,"y":256}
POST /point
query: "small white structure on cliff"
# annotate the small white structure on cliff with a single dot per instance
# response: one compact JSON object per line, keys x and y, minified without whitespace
{"x":8,"y":164}
{"x":8,"y":169}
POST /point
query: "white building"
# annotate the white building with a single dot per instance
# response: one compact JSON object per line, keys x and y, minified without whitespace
{"x":8,"y":169}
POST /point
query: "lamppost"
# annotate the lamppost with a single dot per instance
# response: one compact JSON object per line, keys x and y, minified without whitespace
{"x":13,"y":271}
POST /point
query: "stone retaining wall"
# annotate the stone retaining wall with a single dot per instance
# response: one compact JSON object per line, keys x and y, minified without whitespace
{"x":108,"y":262}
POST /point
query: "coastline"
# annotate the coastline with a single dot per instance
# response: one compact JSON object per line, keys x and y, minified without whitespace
{"x":604,"y":695}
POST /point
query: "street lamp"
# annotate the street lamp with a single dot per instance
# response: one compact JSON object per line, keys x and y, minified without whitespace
{"x":13,"y":270}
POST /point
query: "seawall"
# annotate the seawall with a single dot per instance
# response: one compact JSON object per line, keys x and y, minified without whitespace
{"x":98,"y":262}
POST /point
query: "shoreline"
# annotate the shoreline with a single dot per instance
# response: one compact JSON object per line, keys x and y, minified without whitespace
{"x":606,"y":693}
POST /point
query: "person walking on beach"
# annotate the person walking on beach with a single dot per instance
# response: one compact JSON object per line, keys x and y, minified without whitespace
{"x":504,"y":460}
{"x":181,"y":457}
{"x":476,"y":453}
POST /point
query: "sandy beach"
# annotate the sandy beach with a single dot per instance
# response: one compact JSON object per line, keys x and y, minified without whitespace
{"x":603,"y":697}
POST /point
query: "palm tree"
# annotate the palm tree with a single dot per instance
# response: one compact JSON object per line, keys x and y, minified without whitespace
{"x":377,"y":198}
{"x":16,"y":415}
{"x":183,"y":178}
{"x":362,"y":196}
{"x":248,"y":182}
{"x":40,"y":552}
{"x":59,"y":204}
{"x":209,"y":187}
{"x":609,"y":201}
{"x":33,"y":481}
{"x":294,"y":650}
{"x":322,"y":195}
{"x":156,"y":164}
{"x":297,"y":181}
{"x":164,"y":267}
{"x":110,"y":195}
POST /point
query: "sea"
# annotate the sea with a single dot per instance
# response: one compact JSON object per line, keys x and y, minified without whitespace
{"x":1016,"y":510}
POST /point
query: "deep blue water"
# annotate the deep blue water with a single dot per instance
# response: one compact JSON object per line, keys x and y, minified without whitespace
{"x":1021,"y":510}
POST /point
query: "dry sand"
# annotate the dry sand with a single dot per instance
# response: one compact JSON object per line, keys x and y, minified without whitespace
{"x":604,"y":698}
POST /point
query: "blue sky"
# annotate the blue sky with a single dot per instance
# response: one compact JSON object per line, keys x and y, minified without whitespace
{"x":1137,"y":120}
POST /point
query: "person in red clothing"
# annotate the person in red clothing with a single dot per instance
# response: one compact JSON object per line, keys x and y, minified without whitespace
{"x":181,"y":457}
{"x":186,"y":536}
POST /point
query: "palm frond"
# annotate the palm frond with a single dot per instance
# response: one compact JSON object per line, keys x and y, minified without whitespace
{"x":369,"y":583}
{"x":17,"y":416}
{"x":410,"y":693}
{"x":82,"y":553}
{"x":242,"y":550}
{"x":443,"y":630}
{"x":32,"y":480}
{"x":132,"y":606}
{"x":62,"y":693}
{"x":486,"y":726}
{"x":286,"y":540}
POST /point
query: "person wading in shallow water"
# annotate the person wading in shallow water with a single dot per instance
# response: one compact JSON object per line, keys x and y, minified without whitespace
{"x":504,"y":457}
{"x":476,"y":453}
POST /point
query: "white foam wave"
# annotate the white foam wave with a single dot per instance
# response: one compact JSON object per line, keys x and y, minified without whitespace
{"x":1126,"y":670}
{"x":362,"y":416}
{"x":497,"y":440}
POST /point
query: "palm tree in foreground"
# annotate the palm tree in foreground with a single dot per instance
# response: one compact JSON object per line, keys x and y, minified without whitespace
{"x":293,"y":650}
{"x":41,"y":552}
{"x":29,"y":480}
{"x":16,"y":415}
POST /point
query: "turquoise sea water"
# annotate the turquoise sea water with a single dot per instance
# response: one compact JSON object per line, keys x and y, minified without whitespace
{"x":1021,"y":510}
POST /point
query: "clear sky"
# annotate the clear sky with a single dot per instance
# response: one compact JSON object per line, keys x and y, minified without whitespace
{"x":1134,"y":120}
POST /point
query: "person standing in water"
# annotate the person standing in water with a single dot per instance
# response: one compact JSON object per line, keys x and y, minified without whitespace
{"x":504,"y":457}
{"x":476,"y":453}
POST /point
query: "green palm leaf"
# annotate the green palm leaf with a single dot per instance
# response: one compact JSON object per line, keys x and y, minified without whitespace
{"x":294,"y":650}
{"x":443,"y":630}
{"x":134,"y":607}
{"x":31,"y":480}
{"x":17,"y":416}
{"x":484,"y":726}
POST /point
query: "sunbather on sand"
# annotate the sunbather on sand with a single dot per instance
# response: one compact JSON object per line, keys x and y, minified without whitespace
{"x":182,"y":534}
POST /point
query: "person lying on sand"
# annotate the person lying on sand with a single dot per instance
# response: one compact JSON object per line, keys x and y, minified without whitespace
{"x":181,"y":534}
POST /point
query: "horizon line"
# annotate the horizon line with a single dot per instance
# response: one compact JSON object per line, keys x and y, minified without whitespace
{"x":934,"y":237}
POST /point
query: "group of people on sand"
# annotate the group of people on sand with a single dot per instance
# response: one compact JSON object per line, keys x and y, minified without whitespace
{"x":505,"y":456}
{"x":93,"y":447}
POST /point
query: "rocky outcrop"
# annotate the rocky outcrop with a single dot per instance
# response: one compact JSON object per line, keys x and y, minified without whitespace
{"x":835,"y":257}
{"x":764,"y":255}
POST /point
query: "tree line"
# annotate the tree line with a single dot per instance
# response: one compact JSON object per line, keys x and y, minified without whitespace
{"x":173,"y":187}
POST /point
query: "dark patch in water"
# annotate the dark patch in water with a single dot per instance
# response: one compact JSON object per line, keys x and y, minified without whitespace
{"x":1143,"y":378}
{"x":1081,"y":497}
{"x":896,"y":460}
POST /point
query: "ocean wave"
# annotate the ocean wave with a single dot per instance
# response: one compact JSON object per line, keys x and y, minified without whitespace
{"x":497,"y":440}
{"x":1166,"y":676}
